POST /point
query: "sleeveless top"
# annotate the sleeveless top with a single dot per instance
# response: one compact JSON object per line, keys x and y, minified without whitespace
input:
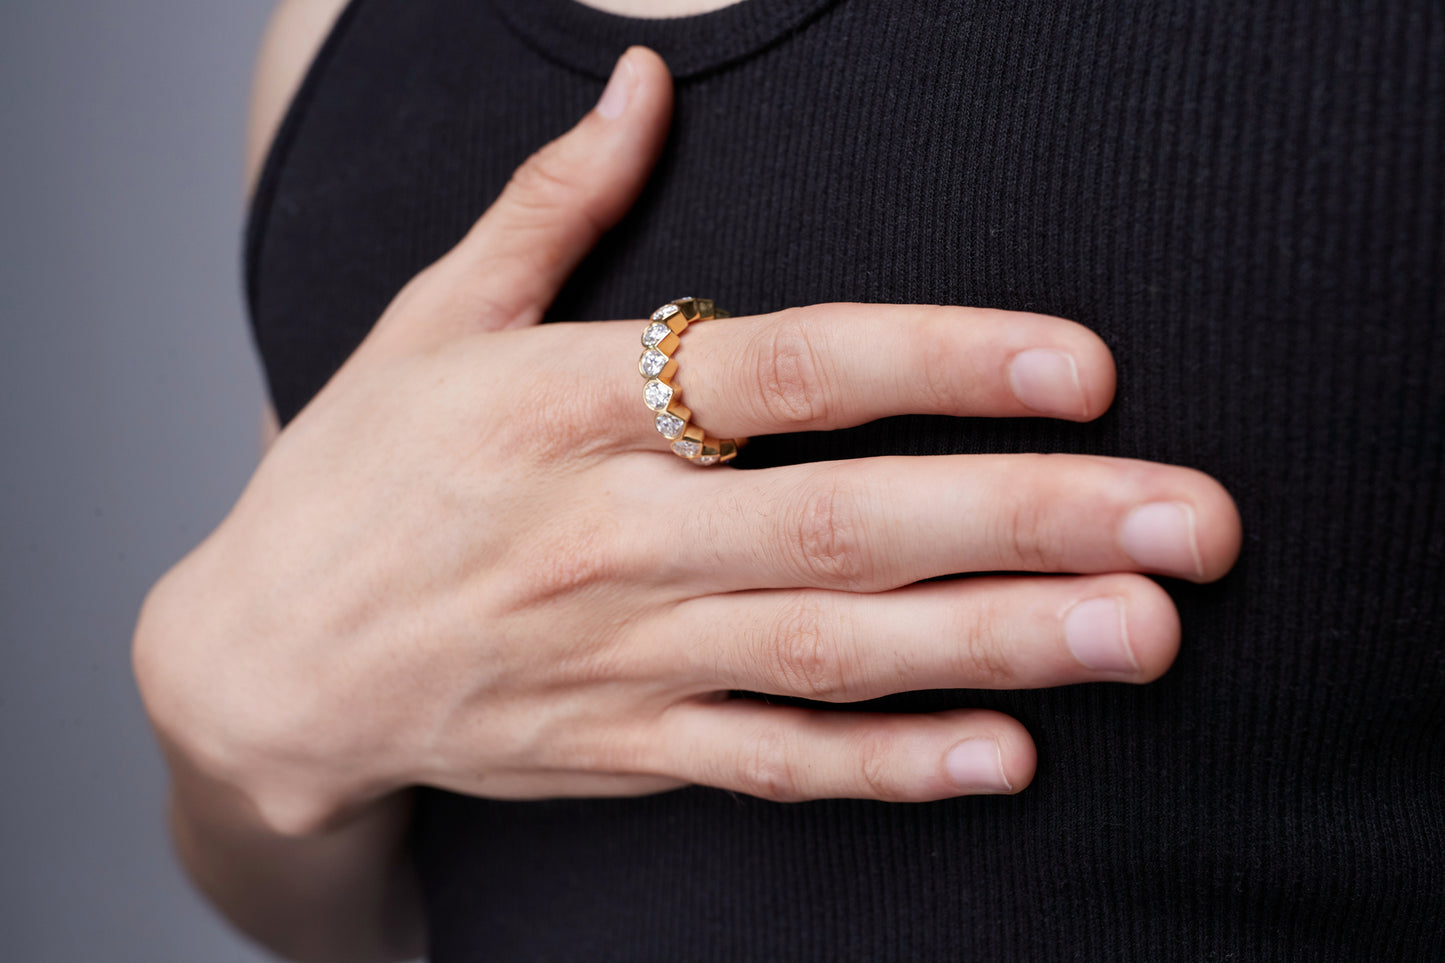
{"x":1243,"y":199}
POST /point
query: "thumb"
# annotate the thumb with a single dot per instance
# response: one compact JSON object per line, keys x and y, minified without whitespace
{"x":560,"y":202}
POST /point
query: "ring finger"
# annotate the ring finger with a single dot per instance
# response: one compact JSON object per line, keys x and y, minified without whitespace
{"x":1001,"y":632}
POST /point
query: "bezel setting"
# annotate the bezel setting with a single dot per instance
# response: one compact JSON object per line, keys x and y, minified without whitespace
{"x":673,"y":420}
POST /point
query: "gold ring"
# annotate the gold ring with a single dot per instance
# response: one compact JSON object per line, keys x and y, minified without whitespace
{"x":660,"y":339}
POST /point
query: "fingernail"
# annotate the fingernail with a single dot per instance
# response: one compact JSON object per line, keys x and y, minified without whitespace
{"x":976,"y":765}
{"x":615,"y":95}
{"x":1048,"y":382}
{"x":1098,"y":635}
{"x":1161,"y":536}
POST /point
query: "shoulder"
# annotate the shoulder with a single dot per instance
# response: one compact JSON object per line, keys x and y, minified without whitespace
{"x":295,"y":33}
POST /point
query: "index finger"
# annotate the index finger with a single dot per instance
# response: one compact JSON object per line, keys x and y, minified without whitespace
{"x":837,"y":365}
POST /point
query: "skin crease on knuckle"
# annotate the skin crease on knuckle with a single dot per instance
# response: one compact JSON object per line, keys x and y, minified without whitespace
{"x":940,"y":362}
{"x":873,"y":767}
{"x":1058,"y":512}
{"x":768,"y":769}
{"x":791,"y":382}
{"x":806,"y":653}
{"x":543,"y":186}
{"x":1020,"y":529}
{"x":826,"y":544}
{"x":979,"y":657}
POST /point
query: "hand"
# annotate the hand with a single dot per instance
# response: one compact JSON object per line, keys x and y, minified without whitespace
{"x":471,"y":562}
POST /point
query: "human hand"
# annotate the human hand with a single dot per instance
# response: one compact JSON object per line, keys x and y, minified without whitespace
{"x":471,"y":562}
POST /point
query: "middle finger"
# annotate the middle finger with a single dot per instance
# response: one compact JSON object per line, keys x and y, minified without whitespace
{"x":873,"y":524}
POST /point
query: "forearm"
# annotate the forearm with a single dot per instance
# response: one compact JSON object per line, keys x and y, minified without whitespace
{"x":346,"y":893}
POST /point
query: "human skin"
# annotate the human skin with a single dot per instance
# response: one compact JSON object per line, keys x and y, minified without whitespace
{"x":429,"y":582}
{"x":658,"y":8}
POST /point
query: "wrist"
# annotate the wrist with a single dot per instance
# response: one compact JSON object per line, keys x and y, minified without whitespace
{"x":344,"y":893}
{"x":226,"y":705}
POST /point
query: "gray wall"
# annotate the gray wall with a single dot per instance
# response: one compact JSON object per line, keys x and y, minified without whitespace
{"x":129,"y":398}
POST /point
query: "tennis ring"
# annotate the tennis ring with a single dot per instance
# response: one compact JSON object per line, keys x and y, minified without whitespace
{"x":660,"y":340}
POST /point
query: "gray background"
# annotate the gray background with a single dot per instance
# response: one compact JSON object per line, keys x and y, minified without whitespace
{"x":129,"y":404}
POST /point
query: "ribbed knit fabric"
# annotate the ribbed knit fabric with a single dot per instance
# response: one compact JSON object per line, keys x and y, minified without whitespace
{"x":1242,"y":197}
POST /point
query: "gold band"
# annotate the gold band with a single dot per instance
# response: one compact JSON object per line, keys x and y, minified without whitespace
{"x":660,"y":339}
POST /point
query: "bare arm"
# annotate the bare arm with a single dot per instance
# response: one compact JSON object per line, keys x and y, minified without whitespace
{"x":347,"y":893}
{"x":295,"y":33}
{"x":270,"y":427}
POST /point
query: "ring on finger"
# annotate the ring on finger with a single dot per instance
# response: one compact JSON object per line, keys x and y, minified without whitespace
{"x":661,"y":394}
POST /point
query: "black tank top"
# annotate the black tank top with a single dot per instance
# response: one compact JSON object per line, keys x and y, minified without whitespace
{"x":1242,"y":198}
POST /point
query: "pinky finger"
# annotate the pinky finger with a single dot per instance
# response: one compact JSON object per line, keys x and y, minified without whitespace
{"x":788,"y":754}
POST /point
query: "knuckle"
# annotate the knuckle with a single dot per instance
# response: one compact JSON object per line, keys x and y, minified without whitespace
{"x":542,"y":181}
{"x":1022,"y":531}
{"x":873,"y":769}
{"x":942,"y":389}
{"x":808,"y":661}
{"x":767,"y":771}
{"x":792,"y":387}
{"x":982,"y":657}
{"x":545,"y":184}
{"x":825,"y":537}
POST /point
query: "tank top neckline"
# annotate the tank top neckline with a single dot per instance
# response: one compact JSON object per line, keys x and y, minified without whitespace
{"x":591,"y":40}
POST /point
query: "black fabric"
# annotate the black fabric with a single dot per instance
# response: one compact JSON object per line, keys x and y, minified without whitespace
{"x":1243,"y":198}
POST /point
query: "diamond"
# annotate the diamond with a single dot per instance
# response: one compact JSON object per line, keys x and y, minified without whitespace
{"x":657,"y":394}
{"x":664,"y":312}
{"x":686,"y":447}
{"x":653,"y":334}
{"x":652,"y":363}
{"x":707,"y":459}
{"x":670,"y":425}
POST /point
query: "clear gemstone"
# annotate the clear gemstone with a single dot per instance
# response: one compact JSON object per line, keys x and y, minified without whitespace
{"x":653,"y":334}
{"x":653,"y":361}
{"x":656,"y":394}
{"x":707,"y":459}
{"x":686,"y":447}
{"x":670,"y":425}
{"x":664,"y":312}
